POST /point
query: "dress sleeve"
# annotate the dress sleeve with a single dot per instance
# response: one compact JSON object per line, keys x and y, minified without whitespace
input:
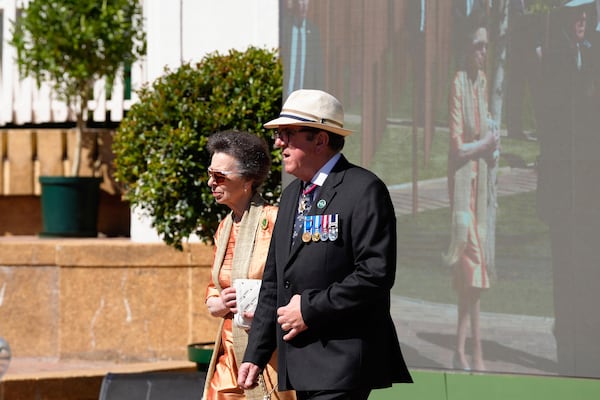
{"x":211,"y":289}
{"x":455,"y":115}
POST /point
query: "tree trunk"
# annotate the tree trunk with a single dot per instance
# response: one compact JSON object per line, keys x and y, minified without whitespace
{"x":496,"y":101}
{"x":78,"y":145}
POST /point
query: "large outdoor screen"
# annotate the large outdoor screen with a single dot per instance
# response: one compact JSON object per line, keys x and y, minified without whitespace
{"x":498,"y":267}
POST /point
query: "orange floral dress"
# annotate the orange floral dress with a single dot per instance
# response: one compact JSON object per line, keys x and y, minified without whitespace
{"x":470,"y":270}
{"x":223,"y":378}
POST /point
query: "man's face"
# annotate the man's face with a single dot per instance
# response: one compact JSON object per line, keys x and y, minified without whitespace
{"x":578,"y":23}
{"x":301,"y":9}
{"x":297,"y":147}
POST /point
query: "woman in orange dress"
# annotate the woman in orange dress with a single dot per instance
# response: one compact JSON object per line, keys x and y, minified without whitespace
{"x":240,"y":163}
{"x":472,"y":147}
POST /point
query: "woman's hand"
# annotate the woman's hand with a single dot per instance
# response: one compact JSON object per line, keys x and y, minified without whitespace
{"x":220,"y":306}
{"x":486,"y":148}
{"x":491,"y":145}
{"x":492,"y":141}
{"x":248,"y":316}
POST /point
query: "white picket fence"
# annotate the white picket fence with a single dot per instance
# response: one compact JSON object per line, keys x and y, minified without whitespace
{"x":177,"y":31}
{"x":23,"y":102}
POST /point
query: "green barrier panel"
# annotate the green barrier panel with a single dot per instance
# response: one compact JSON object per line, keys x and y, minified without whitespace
{"x":434,"y":385}
{"x":426,"y":386}
{"x":517,"y":387}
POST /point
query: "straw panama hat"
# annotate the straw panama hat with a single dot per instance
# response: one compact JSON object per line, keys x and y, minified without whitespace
{"x":314,"y":108}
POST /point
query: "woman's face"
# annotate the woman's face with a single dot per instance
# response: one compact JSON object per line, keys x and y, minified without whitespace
{"x":227,"y":185}
{"x":479,"y":48}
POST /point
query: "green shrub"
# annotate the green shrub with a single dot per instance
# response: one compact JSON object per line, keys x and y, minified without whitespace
{"x":159,"y":147}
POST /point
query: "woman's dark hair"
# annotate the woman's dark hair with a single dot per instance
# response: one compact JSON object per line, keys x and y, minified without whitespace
{"x":469,"y":27}
{"x":250,"y":152}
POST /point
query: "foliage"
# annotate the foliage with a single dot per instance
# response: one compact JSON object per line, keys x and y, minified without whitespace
{"x":543,"y":6}
{"x":72,"y":43}
{"x":160,"y":155}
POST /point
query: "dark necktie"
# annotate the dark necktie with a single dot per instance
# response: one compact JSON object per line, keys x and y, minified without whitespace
{"x":304,"y":204}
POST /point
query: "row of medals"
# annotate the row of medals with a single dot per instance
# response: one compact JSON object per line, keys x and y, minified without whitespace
{"x":320,"y":228}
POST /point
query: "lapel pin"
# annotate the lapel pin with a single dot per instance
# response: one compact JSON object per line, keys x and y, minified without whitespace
{"x":321,"y":204}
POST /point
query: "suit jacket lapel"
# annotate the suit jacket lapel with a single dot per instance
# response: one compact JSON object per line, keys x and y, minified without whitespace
{"x":290,"y":209}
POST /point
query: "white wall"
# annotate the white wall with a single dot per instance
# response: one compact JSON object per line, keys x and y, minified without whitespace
{"x":186,"y":30}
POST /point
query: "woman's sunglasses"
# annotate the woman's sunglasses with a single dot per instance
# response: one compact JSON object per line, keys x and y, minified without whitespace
{"x":219,"y":176}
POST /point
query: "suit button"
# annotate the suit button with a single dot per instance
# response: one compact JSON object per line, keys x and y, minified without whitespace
{"x":286,"y":284}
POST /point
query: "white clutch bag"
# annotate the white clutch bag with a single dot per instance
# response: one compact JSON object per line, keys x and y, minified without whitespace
{"x":247,"y":297}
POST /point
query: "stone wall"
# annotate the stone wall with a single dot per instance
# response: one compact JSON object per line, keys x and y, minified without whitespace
{"x":103,"y":299}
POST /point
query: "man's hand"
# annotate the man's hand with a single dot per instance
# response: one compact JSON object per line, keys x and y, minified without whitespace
{"x":248,"y":375}
{"x":290,"y":318}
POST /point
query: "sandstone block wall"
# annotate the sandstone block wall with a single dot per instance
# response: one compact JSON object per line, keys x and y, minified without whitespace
{"x":103,"y":299}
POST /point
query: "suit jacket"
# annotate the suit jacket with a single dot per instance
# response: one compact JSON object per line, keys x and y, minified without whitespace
{"x":345,"y":284}
{"x":569,"y":139}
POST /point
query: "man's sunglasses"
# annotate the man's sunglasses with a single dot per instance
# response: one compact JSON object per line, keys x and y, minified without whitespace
{"x":219,"y":176}
{"x":284,"y":134}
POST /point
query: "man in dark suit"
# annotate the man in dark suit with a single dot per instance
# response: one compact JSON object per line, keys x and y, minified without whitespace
{"x":325,"y":296}
{"x":568,"y":190}
{"x":300,"y":48}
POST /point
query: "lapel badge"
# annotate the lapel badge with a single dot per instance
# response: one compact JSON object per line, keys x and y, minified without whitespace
{"x":321,"y":204}
{"x":264,"y":224}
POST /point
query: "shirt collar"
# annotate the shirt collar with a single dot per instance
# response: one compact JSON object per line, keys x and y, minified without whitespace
{"x":323,"y":173}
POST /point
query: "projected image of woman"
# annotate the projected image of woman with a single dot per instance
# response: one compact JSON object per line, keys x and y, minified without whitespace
{"x":472,"y":147}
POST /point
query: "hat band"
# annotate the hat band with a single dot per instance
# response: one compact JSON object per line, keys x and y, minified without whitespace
{"x":322,"y":120}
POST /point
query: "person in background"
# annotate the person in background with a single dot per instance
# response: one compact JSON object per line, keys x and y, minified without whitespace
{"x":325,"y":296}
{"x":240,"y":163}
{"x":462,"y":12}
{"x":523,"y":68}
{"x":568,"y":189}
{"x":301,"y":51}
{"x":472,"y":147}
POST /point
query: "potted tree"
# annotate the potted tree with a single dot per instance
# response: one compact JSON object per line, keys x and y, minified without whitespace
{"x":159,"y":148}
{"x":70,"y":45}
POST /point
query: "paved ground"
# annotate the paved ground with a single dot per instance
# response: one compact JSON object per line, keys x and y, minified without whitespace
{"x":512,"y":343}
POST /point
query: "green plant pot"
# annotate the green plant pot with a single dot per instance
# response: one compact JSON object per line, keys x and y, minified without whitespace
{"x":200,"y":353}
{"x":70,"y":206}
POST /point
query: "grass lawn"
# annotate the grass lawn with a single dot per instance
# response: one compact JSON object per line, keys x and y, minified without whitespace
{"x":392,"y":161}
{"x":523,"y":284}
{"x":524,"y":277}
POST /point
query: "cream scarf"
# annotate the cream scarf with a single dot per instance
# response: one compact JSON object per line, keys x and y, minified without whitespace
{"x":461,"y":215}
{"x":242,"y":255}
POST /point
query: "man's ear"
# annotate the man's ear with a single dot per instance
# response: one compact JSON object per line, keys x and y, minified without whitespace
{"x":322,"y":140}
